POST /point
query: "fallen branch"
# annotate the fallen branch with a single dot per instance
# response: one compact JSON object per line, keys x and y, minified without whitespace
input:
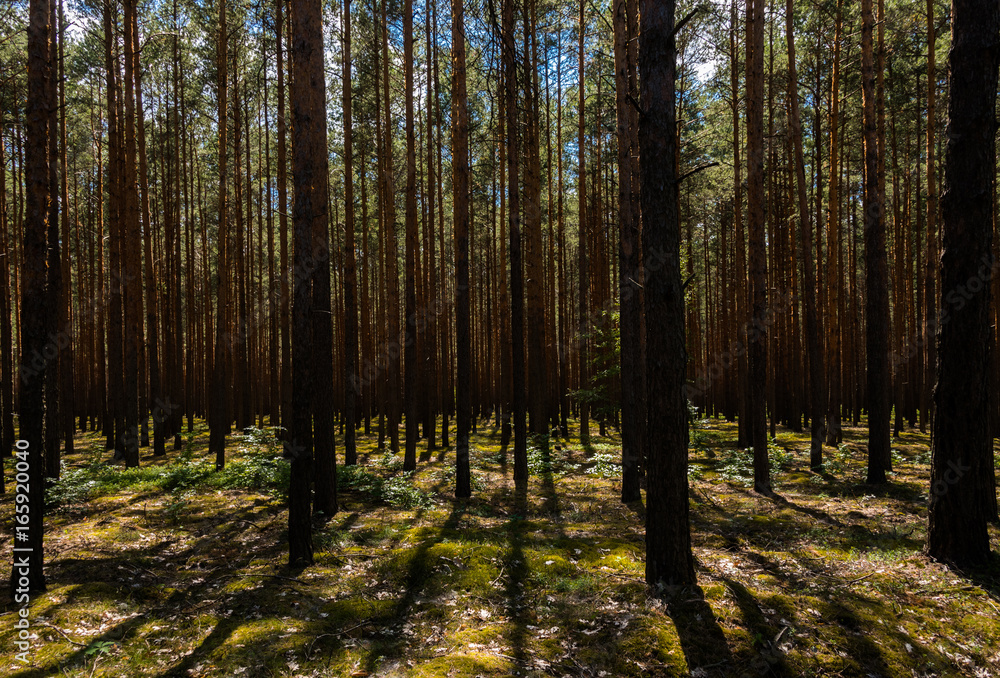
{"x":62,"y":633}
{"x":855,"y":581}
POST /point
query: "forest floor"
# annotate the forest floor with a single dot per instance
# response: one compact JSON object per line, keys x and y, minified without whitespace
{"x":173,"y":569}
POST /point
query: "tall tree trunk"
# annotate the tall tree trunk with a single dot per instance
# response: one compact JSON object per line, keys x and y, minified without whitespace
{"x":6,"y":335}
{"x":564,"y":315}
{"x":669,"y":560}
{"x":630,"y":278}
{"x":132,"y":253}
{"x":583,"y":272}
{"x":930,"y":257}
{"x":392,"y":250}
{"x":833,"y":353}
{"x":219,"y":408}
{"x":460,"y":197}
{"x":321,"y":379}
{"x":27,"y":575}
{"x":311,"y":187}
{"x":65,"y":326}
{"x":814,"y":331}
{"x":351,"y":383}
{"x":158,"y":406}
{"x":285,"y":304}
{"x":534,"y":274}
{"x":879,"y":377}
{"x":516,"y":273}
{"x":115,"y":359}
{"x":412,"y":375}
{"x":756,"y":351}
{"x":962,"y":446}
{"x":54,"y":282}
{"x":745,"y":435}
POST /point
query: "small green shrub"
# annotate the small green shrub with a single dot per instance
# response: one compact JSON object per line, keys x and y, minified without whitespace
{"x":390,"y":461}
{"x":73,"y":487}
{"x":185,"y":475}
{"x":180,"y":502}
{"x":256,"y":471}
{"x":397,"y":491}
{"x":606,"y":465}
{"x":696,"y":471}
{"x":736,"y":466}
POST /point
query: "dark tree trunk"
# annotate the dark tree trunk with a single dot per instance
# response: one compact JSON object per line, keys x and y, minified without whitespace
{"x":669,"y":560}
{"x":309,"y":176}
{"x":351,"y":384}
{"x":321,"y":385}
{"x":630,"y":278}
{"x":516,"y":274}
{"x":6,"y":333}
{"x":756,"y":392}
{"x":131,"y":255}
{"x":115,"y":386}
{"x":158,"y":406}
{"x":27,"y":575}
{"x":54,"y":277}
{"x":460,"y":189}
{"x":534,"y":277}
{"x":219,"y":407}
{"x":876,"y":270}
{"x":412,"y":375}
{"x":285,"y":397}
{"x":962,"y":447}
{"x":392,"y":344}
{"x":65,"y":326}
{"x":814,"y":331}
{"x":584,"y":286}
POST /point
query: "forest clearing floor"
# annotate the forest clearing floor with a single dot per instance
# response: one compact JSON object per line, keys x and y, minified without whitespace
{"x":173,"y":569}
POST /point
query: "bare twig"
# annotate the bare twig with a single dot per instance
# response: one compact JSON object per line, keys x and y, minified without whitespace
{"x":62,"y":633}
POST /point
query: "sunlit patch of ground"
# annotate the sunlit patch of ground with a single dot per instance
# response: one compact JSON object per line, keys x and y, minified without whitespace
{"x":175,"y":569}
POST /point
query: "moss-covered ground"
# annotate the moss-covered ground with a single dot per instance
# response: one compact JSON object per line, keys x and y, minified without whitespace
{"x":176,"y":570}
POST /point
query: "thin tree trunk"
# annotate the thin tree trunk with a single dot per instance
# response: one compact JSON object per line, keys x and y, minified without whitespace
{"x":630,"y":279}
{"x":351,"y":383}
{"x":219,"y":408}
{"x":876,"y":270}
{"x":158,"y":406}
{"x":54,"y":282}
{"x":392,"y":251}
{"x":584,"y":287}
{"x":813,"y":327}
{"x":412,"y":375}
{"x":65,"y":327}
{"x":460,"y":191}
{"x":930,"y":259}
{"x":756,"y":351}
{"x":516,"y":274}
{"x":833,"y":352}
{"x":537,"y":393}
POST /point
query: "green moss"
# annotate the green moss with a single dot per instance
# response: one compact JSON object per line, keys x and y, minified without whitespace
{"x":463,"y":665}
